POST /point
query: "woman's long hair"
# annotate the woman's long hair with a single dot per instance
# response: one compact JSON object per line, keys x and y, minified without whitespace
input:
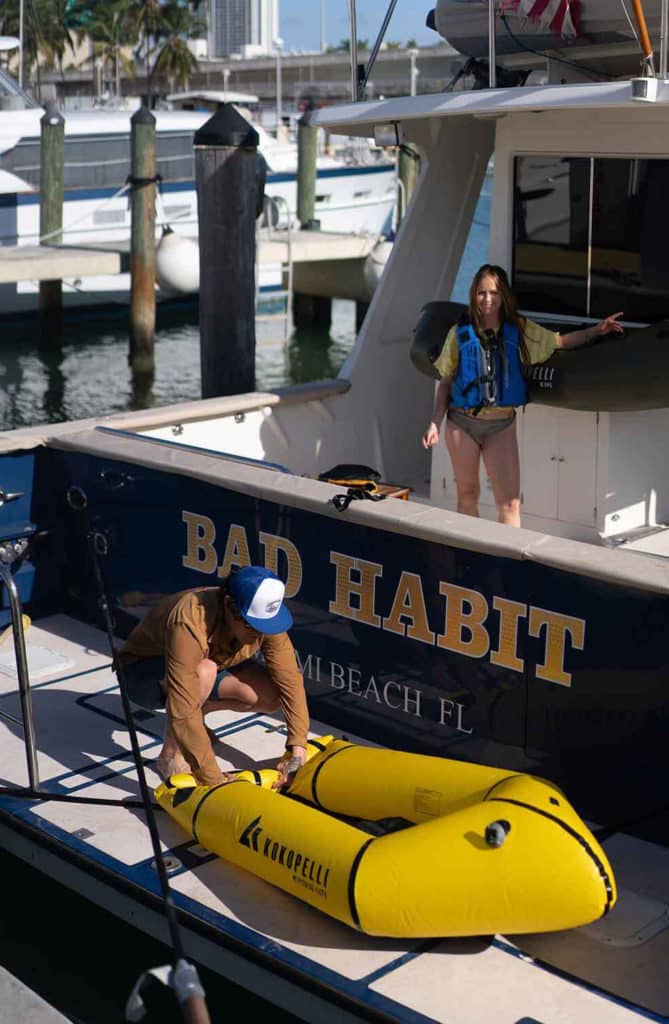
{"x":509,"y":304}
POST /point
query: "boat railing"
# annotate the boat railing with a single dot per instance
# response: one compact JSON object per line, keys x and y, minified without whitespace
{"x":10,"y":552}
{"x":241,"y":460}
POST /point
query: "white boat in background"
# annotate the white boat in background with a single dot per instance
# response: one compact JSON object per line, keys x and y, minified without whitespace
{"x":356,"y":198}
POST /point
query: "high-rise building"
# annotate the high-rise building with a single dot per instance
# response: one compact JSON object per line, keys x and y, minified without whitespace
{"x":241,"y":26}
{"x":264,"y":23}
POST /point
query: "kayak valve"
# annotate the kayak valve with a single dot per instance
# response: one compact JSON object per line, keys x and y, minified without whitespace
{"x":496,"y":832}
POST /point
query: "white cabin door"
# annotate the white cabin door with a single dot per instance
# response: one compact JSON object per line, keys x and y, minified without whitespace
{"x":577,"y":467}
{"x":558,"y":464}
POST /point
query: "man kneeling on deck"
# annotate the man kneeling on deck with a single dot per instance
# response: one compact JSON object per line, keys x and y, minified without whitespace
{"x":197,"y":651}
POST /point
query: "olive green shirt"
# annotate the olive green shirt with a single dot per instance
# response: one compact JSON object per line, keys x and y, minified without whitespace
{"x":186,"y":628}
{"x":540,"y":343}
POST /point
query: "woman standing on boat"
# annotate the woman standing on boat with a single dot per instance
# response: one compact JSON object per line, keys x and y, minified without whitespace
{"x":482,"y":381}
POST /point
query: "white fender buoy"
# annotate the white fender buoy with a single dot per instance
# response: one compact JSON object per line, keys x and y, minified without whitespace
{"x":375,"y":264}
{"x":177,"y":264}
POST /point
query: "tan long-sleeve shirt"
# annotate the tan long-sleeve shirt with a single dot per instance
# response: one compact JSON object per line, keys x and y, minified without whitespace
{"x":190,"y":626}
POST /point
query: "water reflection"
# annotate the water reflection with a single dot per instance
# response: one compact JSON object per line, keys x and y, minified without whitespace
{"x":51,"y":356}
{"x":310,"y":355}
{"x":142,"y":390}
{"x":86,"y":373}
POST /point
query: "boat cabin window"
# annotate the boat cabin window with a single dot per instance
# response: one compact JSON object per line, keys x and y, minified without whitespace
{"x":590,"y":236}
{"x":98,"y":161}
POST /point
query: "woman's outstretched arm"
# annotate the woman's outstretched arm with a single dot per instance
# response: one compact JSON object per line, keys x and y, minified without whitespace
{"x":577,"y":338}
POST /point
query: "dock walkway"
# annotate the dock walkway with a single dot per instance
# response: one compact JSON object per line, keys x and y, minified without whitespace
{"x":20,"y":1003}
{"x":50,"y":262}
{"x":324,"y":262}
{"x":54,"y":262}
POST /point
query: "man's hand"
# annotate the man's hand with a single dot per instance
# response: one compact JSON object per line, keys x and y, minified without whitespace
{"x":291,"y":762}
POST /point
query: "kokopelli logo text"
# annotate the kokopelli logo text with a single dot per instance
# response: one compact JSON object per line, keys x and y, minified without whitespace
{"x":249,"y":836}
{"x":306,"y":871}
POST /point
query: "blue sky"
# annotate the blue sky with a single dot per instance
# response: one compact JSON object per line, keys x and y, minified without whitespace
{"x":300,"y":22}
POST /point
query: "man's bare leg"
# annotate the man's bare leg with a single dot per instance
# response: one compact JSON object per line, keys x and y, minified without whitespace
{"x":249,"y":689}
{"x":170,"y":760}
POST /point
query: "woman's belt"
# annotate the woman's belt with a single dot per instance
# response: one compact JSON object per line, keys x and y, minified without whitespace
{"x":502,"y":412}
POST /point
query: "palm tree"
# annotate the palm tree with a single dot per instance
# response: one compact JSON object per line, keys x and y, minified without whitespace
{"x":60,"y":22}
{"x":175,"y":60}
{"x":147,"y":17}
{"x":112,"y":28}
{"x":345,"y":44}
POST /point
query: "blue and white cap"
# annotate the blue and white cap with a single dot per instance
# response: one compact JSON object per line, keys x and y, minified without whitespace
{"x":258,"y":594}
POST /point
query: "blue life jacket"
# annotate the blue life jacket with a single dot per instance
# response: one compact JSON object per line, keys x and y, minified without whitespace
{"x":484,"y":378}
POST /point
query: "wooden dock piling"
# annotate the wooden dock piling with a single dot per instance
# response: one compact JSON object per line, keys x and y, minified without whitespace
{"x":312,"y":311}
{"x":308,"y":310}
{"x":229,"y":197}
{"x":52,"y":152}
{"x":142,"y":241}
{"x":307,"y":144}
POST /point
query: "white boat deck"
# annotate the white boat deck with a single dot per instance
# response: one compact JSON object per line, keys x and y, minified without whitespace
{"x":262,"y":937}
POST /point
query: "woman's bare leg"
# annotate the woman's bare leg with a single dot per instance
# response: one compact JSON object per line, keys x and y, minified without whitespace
{"x":502,"y":463}
{"x":466,"y":458}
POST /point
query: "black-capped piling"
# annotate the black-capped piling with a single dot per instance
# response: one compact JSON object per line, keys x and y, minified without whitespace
{"x":230,"y":186}
{"x":52,"y":153}
{"x":142,"y":183}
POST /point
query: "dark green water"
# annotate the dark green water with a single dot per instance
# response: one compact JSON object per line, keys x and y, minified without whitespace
{"x":85,"y":962}
{"x":87,"y":373}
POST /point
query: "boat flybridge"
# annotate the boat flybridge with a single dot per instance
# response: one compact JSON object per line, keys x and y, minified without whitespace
{"x":541,"y":649}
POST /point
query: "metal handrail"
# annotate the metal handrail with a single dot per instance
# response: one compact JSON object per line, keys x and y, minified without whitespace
{"x":492,"y":46}
{"x":8,"y":553}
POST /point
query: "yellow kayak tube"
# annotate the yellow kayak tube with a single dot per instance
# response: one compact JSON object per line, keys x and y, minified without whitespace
{"x":404,"y":845}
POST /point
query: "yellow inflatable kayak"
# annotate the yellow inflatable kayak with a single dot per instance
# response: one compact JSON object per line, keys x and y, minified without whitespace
{"x":456,"y":849}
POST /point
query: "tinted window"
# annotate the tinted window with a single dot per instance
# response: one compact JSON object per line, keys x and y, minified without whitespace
{"x":99,"y":161}
{"x":630,"y":218}
{"x":550,"y":254}
{"x":589,"y":236}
